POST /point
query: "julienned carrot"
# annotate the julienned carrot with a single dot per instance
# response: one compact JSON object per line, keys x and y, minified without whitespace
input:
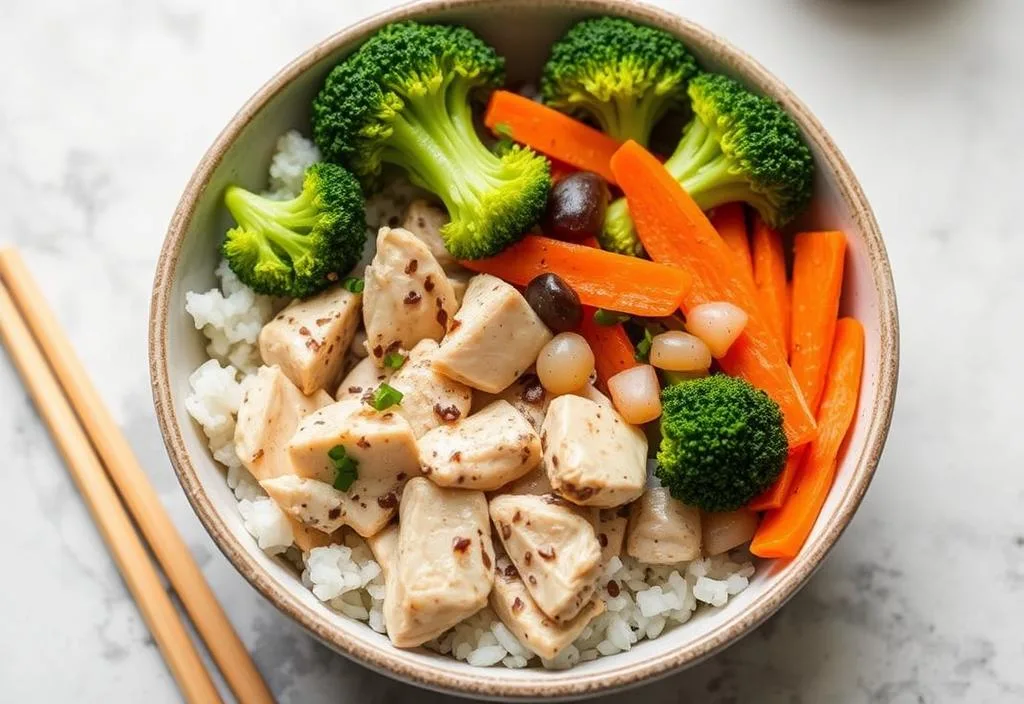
{"x":817,"y":283}
{"x":613,"y":350}
{"x":675,"y":231}
{"x":770,"y":281}
{"x":550,"y":132}
{"x":601,"y":279}
{"x":783,"y":532}
{"x":730,"y":221}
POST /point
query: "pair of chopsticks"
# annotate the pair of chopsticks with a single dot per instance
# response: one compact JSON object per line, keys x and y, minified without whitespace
{"x":100,"y":459}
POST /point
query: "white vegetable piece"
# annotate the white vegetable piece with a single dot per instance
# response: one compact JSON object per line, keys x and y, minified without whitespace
{"x":718,"y":324}
{"x":636,"y":393}
{"x":309,"y":338}
{"x":679,"y":351}
{"x":565,"y":363}
{"x":721,"y":532}
{"x":593,"y":456}
{"x":494,"y":338}
{"x":663,"y":530}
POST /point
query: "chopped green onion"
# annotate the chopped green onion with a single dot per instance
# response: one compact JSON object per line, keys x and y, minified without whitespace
{"x":394,"y":360}
{"x":608,"y":318}
{"x":643,"y":348}
{"x":385,"y":397}
{"x":503,"y":129}
{"x":346,"y":469}
{"x":354,"y":284}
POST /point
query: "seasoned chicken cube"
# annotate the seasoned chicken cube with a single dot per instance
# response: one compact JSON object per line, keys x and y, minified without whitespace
{"x":495,"y":337}
{"x":429,"y":399}
{"x":362,"y":379}
{"x":270,"y":411}
{"x":663,"y":530}
{"x":514,"y":606}
{"x":593,"y":456}
{"x":610,"y":527}
{"x":526,"y":394}
{"x":407,"y":297}
{"x":313,"y":503}
{"x":307,"y":538}
{"x":382,"y":446}
{"x":384,"y":546}
{"x":309,"y":338}
{"x":483,"y":451}
{"x":445,"y":564}
{"x":425,"y":220}
{"x":534,"y":483}
{"x":554,"y":548}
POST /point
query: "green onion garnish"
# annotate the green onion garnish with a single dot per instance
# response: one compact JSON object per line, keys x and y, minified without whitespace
{"x":643,"y":348}
{"x":394,"y":360}
{"x":503,"y":129}
{"x":346,"y":469}
{"x":608,"y":318}
{"x":385,"y":397}
{"x":354,"y":284}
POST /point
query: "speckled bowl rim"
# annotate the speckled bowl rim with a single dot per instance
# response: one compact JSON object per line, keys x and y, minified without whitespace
{"x":390,"y":660}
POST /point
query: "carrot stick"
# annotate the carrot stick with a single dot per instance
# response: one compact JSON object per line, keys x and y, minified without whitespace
{"x":601,"y":279}
{"x":674,"y":231}
{"x":731,"y":223}
{"x":774,"y":496}
{"x":550,"y":132}
{"x":817,"y":283}
{"x":613,"y":350}
{"x":783,"y":532}
{"x":770,"y":281}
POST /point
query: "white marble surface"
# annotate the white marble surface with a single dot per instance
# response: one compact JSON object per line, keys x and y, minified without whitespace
{"x":105,"y":107}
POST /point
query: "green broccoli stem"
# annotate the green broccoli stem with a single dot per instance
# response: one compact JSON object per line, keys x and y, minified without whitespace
{"x":275,"y":220}
{"x":624,"y":117}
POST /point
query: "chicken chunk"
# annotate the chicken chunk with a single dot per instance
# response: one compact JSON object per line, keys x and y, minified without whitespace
{"x":534,"y":483}
{"x":445,"y":564}
{"x":384,"y":546}
{"x":494,"y":338}
{"x":663,"y":530}
{"x":425,"y":220}
{"x":593,"y":456}
{"x":429,"y":399}
{"x":554,"y":548}
{"x":362,"y":379}
{"x":270,"y":411}
{"x":460,"y":282}
{"x":526,"y":394}
{"x":407,"y":297}
{"x":381,"y":444}
{"x":307,"y":538}
{"x":610,"y":527}
{"x":514,"y":606}
{"x":312,"y":503}
{"x":309,"y":338}
{"x":483,"y":451}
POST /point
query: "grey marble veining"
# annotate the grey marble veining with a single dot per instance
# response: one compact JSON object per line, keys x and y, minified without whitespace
{"x":105,"y":107}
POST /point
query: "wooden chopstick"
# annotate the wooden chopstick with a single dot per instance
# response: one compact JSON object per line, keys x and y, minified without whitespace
{"x":130,"y":554}
{"x":212,"y":624}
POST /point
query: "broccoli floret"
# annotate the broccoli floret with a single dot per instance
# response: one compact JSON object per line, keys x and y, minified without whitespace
{"x":404,"y":99}
{"x":623,"y":75}
{"x":297,"y":247}
{"x":722,"y":442}
{"x":739,"y":147}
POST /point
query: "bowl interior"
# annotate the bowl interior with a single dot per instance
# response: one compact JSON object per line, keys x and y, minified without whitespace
{"x":522,"y":31}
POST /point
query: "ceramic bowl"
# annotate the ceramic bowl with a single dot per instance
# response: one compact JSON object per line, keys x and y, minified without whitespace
{"x":522,"y":30}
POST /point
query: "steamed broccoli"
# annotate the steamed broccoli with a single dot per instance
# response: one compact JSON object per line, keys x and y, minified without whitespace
{"x":623,"y":75}
{"x":297,"y":247}
{"x":404,"y":99}
{"x":739,"y":147}
{"x":722,"y":442}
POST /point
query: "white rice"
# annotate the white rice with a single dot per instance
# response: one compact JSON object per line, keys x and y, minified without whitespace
{"x":649,"y":599}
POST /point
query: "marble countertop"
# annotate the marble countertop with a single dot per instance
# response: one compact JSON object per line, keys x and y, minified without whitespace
{"x":106,"y":106}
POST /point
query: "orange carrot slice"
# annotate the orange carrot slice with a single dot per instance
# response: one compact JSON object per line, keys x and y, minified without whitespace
{"x":770,"y":281}
{"x":730,"y":221}
{"x":675,"y":231}
{"x":601,"y":279}
{"x":613,"y":350}
{"x":550,"y":132}
{"x":783,"y":532}
{"x":817,"y":284}
{"x":774,"y":496}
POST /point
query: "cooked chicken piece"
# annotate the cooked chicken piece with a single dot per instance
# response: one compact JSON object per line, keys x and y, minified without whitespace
{"x":307,"y":538}
{"x":460,"y":282}
{"x":309,"y":338}
{"x":610,"y":527}
{"x":309,"y":501}
{"x":425,"y":220}
{"x":554,"y":548}
{"x":495,"y":337}
{"x":407,"y":297}
{"x":384,"y":450}
{"x":525,"y":394}
{"x":429,"y":399}
{"x":270,"y":411}
{"x":721,"y":532}
{"x":362,"y":379}
{"x":534,"y":483}
{"x":663,"y":530}
{"x":513,"y":604}
{"x":593,"y":456}
{"x":445,"y":565}
{"x":384,"y":546}
{"x":483,"y":451}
